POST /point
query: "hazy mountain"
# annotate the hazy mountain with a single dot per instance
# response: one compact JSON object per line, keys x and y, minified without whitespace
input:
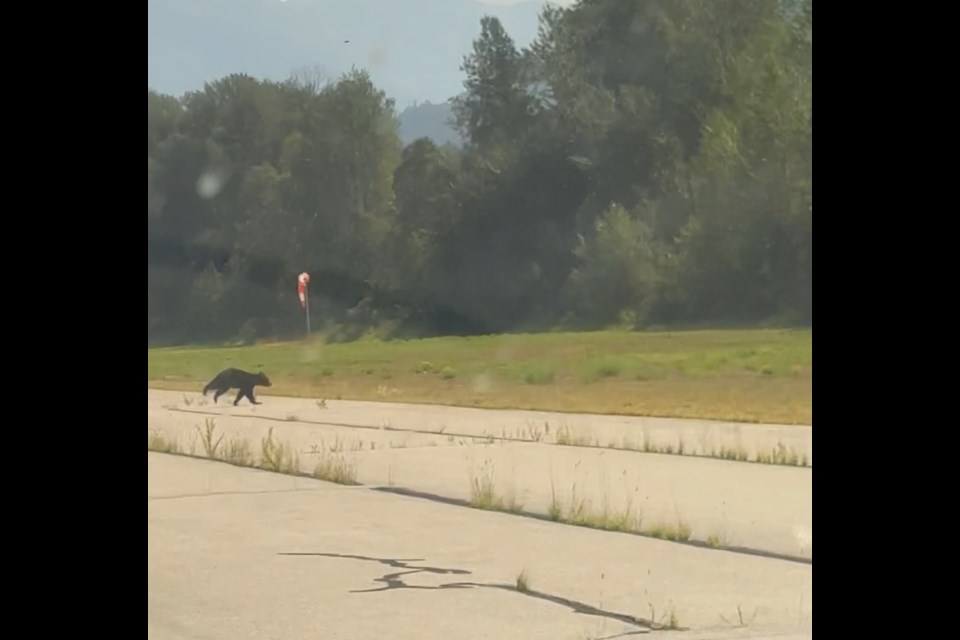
{"x":428,"y":120}
{"x":412,"y":48}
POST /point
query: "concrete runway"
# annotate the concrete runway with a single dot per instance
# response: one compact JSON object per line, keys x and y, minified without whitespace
{"x":442,"y":450}
{"x":699,"y":436}
{"x":242,"y":553}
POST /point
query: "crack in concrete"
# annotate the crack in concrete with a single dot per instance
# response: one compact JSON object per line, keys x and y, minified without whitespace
{"x":482,"y":439}
{"x":459,"y":502}
{"x":395,"y":581}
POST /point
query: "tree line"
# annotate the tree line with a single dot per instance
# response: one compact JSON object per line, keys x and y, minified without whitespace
{"x":642,"y":161}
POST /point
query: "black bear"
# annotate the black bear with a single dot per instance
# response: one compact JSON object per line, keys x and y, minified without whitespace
{"x":237,"y":379}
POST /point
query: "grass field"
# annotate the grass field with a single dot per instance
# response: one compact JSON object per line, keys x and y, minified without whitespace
{"x":745,"y":375}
